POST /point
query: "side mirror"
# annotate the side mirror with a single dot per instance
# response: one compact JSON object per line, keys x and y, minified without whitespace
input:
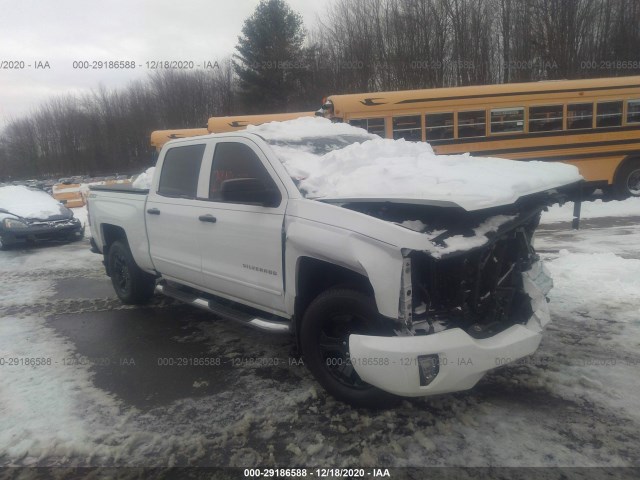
{"x":249,"y":190}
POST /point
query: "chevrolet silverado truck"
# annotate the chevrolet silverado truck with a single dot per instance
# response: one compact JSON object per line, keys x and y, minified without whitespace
{"x":396,"y":272}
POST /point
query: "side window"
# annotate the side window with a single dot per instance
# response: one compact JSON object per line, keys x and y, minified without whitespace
{"x":547,"y":118}
{"x":233,"y":160}
{"x":507,"y":120}
{"x":633,"y":111}
{"x":609,"y":114}
{"x":180,"y":171}
{"x":472,"y":124}
{"x":579,"y":115}
{"x":408,"y":127}
{"x":439,"y":126}
{"x":371,"y":125}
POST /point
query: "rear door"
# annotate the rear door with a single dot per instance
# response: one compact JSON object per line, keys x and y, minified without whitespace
{"x":242,"y":248}
{"x":172,"y":212}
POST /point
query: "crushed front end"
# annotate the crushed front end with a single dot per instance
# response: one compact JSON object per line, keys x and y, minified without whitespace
{"x":479,"y":290}
{"x":477,"y":302}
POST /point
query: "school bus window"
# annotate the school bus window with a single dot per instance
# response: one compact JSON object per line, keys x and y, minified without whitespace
{"x":439,"y":126}
{"x":609,"y":114}
{"x":545,"y":118}
{"x":504,"y":120}
{"x":472,"y":124}
{"x":633,"y":111}
{"x":371,"y":125}
{"x":579,"y":115}
{"x":408,"y":127}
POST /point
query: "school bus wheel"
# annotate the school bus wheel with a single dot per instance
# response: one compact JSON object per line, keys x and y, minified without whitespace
{"x":627,"y":182}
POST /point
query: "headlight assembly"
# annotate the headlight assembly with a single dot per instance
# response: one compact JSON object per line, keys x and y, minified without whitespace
{"x":13,"y":224}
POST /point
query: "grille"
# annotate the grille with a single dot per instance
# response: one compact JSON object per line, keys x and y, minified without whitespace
{"x":480,"y":289}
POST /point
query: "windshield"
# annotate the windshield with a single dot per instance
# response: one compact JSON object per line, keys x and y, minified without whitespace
{"x":319,"y":145}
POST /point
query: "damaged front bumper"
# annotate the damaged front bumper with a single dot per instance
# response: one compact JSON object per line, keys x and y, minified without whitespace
{"x":455,"y":361}
{"x":71,"y":229}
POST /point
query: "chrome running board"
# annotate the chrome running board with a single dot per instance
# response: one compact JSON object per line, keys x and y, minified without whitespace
{"x":226,"y":311}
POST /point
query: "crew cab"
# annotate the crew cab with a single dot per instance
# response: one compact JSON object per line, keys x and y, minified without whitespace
{"x":397,"y":272}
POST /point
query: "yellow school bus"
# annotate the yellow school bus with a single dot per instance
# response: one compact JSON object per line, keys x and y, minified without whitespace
{"x":222,"y":125}
{"x":593,"y":124}
{"x":239,"y":122}
{"x":160,"y":137}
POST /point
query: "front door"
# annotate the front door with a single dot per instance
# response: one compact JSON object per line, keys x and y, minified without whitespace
{"x":242,"y":242}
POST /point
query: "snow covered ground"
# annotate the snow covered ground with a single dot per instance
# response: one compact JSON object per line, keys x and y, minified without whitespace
{"x":574,"y":403}
{"x":593,"y":209}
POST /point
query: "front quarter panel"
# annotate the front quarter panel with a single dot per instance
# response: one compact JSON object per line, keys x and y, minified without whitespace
{"x":380,"y":262}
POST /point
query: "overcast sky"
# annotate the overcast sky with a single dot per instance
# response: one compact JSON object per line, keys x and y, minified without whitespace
{"x":63,"y":31}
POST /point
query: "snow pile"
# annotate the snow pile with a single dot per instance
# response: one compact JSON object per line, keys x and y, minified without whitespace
{"x":29,"y":203}
{"x":460,"y":242}
{"x":384,"y":168}
{"x":305,"y":127}
{"x":596,"y":284}
{"x":457,"y":243}
{"x":592,"y":344}
{"x":593,"y":209}
{"x":144,"y":180}
{"x":415,"y":225}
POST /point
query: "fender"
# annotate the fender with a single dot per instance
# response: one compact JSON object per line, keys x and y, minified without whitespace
{"x":380,"y":262}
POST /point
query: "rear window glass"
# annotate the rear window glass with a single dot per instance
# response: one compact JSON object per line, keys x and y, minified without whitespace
{"x":180,"y":171}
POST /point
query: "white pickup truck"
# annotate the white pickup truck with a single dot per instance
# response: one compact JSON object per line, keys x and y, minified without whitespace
{"x":396,"y":271}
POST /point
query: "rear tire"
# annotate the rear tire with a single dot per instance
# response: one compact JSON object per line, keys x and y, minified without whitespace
{"x":324,"y":334}
{"x":132,"y":285}
{"x":627,"y":181}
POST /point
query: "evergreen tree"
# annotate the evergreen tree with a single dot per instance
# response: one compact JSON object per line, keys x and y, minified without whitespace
{"x":270,"y":58}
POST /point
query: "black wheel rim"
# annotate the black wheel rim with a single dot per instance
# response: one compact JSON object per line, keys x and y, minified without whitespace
{"x":334,"y":348}
{"x":121,"y":275}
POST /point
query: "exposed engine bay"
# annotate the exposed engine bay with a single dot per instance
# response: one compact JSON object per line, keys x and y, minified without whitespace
{"x":471,"y":277}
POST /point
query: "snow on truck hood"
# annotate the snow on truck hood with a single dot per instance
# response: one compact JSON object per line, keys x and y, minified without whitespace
{"x":29,"y":203}
{"x":376,"y":169}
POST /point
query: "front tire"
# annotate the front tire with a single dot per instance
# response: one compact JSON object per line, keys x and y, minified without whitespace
{"x":132,"y":285}
{"x":324,"y":338}
{"x":627,"y":182}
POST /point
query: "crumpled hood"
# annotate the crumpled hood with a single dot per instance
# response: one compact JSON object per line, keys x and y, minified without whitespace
{"x":406,"y":172}
{"x":445,"y":231}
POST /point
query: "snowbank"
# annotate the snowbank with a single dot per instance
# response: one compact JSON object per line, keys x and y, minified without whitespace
{"x":144,"y":179}
{"x":28,"y":203}
{"x":596,"y":285}
{"x":305,"y":127}
{"x":384,"y":168}
{"x":594,"y":209}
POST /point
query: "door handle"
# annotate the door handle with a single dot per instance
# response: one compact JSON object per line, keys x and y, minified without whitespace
{"x":153,"y":211}
{"x":207,"y":218}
